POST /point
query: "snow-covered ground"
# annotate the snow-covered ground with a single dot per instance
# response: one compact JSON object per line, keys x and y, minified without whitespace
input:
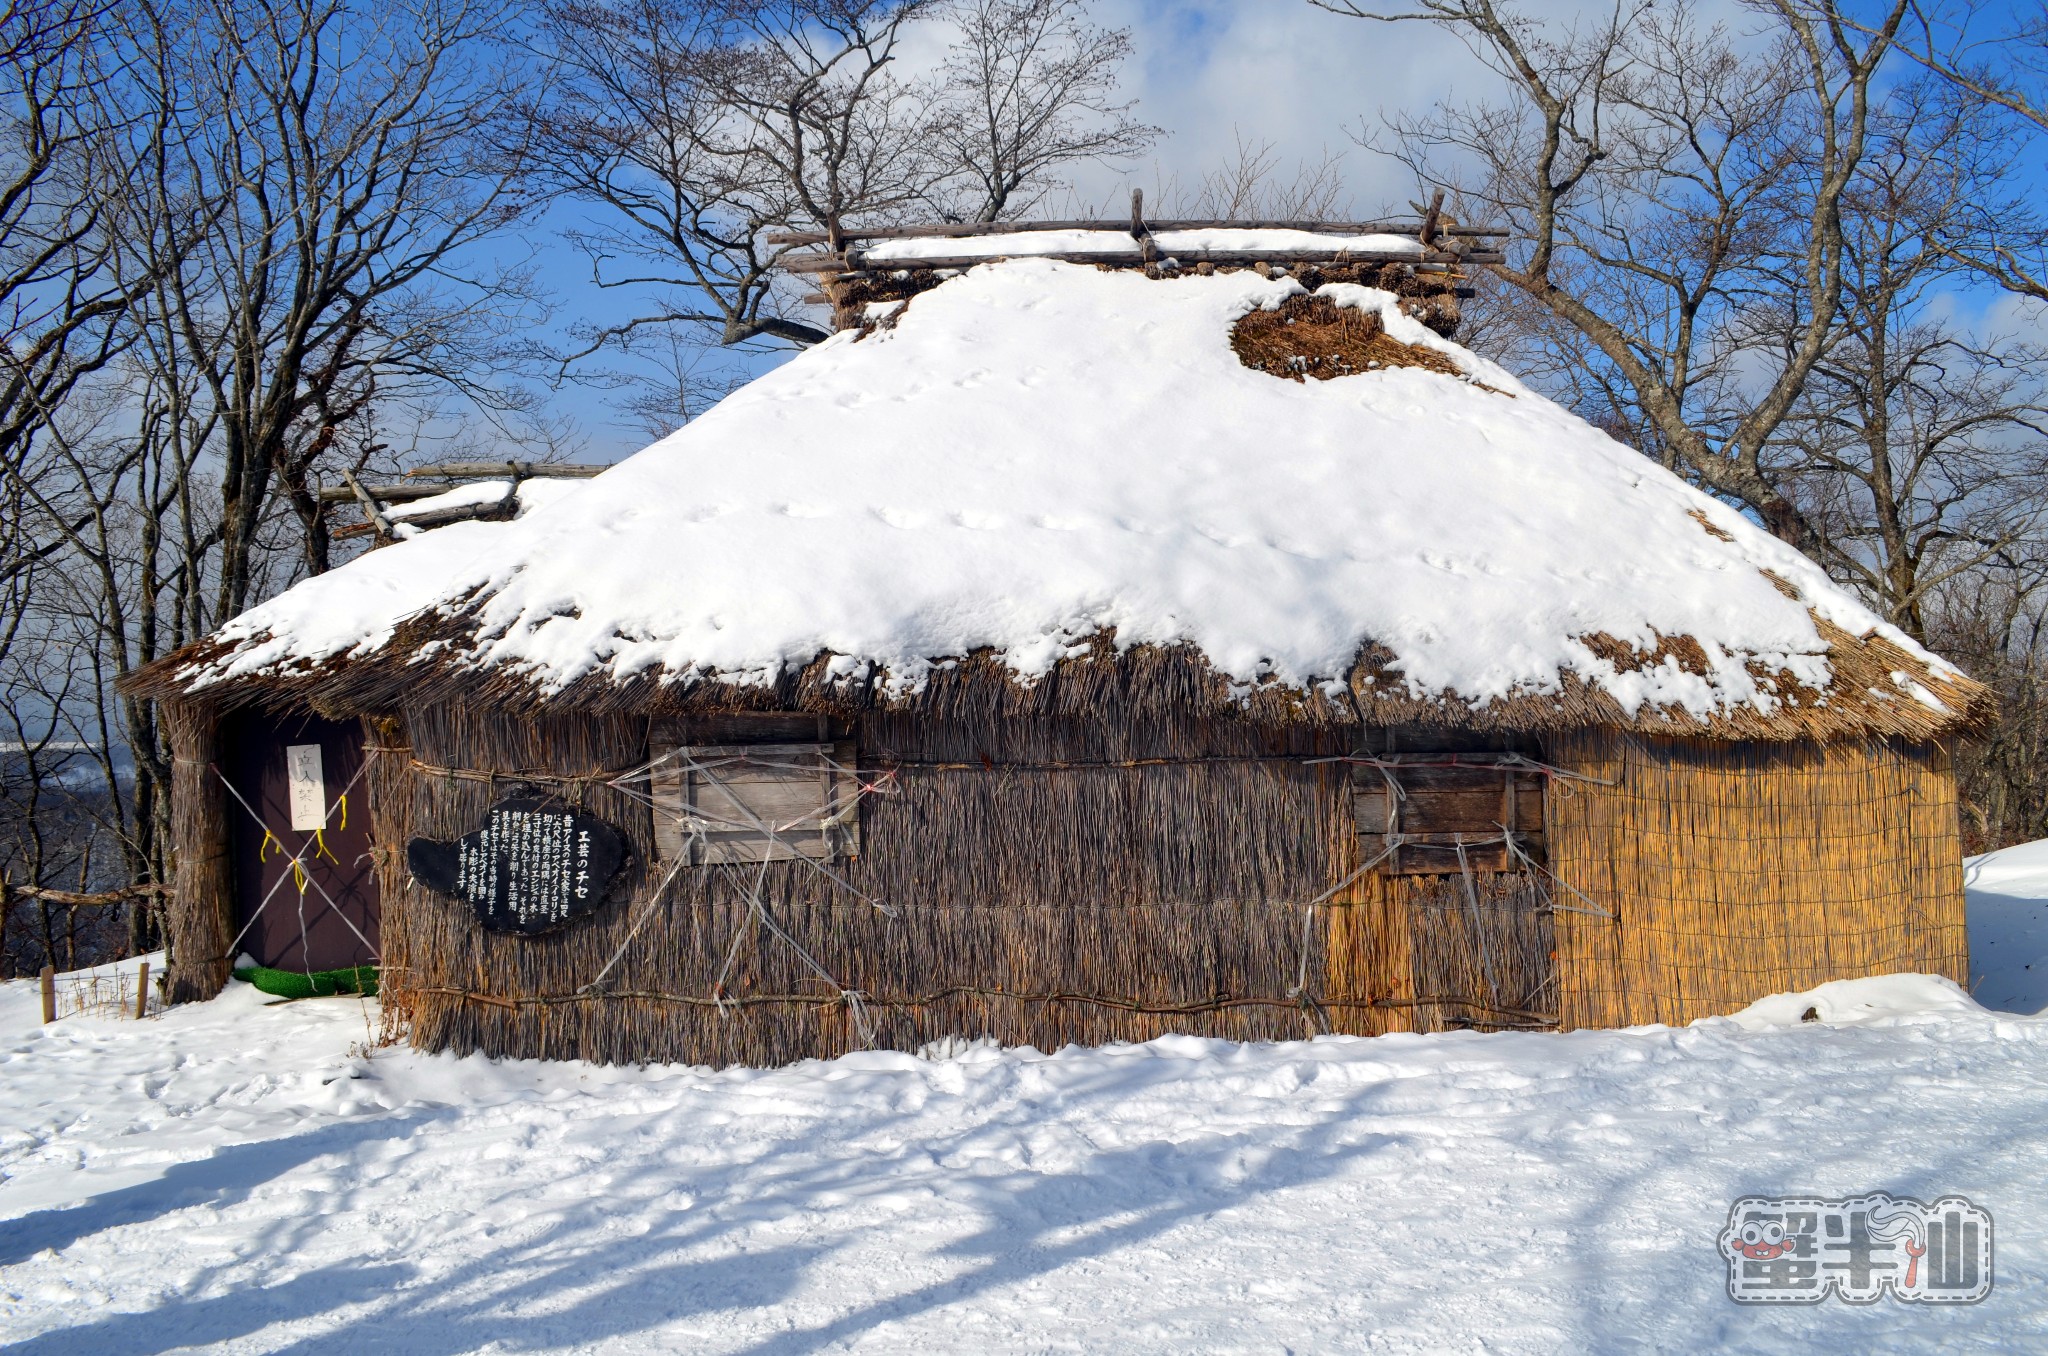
{"x":236,"y":1176}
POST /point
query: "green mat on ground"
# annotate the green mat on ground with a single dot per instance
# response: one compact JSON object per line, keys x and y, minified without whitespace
{"x":360,"y":979}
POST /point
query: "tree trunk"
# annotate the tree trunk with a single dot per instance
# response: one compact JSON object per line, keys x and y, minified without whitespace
{"x":197,"y":925}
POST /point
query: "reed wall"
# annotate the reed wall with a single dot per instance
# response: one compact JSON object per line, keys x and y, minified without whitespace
{"x":1051,"y":886}
{"x":1059,"y":881}
{"x":1739,"y":870}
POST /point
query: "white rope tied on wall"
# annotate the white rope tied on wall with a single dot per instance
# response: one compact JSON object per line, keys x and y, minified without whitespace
{"x":297,"y":863}
{"x":693,"y":821}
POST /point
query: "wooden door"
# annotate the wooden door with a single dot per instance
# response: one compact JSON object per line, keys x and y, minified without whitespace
{"x":305,"y":890}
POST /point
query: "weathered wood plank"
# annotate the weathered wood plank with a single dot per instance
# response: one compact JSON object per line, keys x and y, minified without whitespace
{"x":1475,"y":812}
{"x":754,"y":802}
{"x":1437,"y":854}
{"x":1434,"y":805}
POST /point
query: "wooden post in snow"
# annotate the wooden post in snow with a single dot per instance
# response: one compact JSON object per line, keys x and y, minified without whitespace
{"x":49,"y":994}
{"x":142,"y":992}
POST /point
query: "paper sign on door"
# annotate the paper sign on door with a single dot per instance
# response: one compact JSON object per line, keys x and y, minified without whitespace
{"x":307,"y":785}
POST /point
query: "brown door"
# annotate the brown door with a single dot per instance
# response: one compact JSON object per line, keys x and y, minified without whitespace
{"x":305,"y":893}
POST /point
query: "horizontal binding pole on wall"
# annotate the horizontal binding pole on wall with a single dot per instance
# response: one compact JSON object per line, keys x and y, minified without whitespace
{"x":1476,"y":814}
{"x":735,"y":1002}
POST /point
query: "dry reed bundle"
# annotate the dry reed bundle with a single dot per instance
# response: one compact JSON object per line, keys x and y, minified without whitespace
{"x":1312,"y":336}
{"x":1740,"y":870}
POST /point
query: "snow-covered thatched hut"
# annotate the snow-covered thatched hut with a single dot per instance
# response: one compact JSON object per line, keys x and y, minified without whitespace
{"x":1045,"y":658}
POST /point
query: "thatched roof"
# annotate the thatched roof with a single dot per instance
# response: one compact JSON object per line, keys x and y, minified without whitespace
{"x":1066,"y":479}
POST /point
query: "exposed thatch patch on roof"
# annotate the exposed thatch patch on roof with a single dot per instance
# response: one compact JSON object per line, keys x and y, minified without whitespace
{"x":1683,"y":651}
{"x":1873,"y":694}
{"x":1781,"y":584}
{"x":1708,"y":526}
{"x":1312,"y":336}
{"x":1430,"y":298}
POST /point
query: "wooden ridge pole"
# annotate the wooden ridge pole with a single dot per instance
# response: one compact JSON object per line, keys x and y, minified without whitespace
{"x":968,"y":230}
{"x":859,"y":261}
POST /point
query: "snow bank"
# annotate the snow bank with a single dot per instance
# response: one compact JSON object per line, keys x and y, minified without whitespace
{"x":1038,"y":451}
{"x":2008,"y":908}
{"x":235,"y":1177}
{"x":1851,"y":1001}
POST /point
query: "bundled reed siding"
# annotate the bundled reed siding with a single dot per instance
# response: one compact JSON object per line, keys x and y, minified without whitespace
{"x":1416,"y":953}
{"x":1739,"y":870}
{"x":1052,"y":886}
{"x":1060,"y":880}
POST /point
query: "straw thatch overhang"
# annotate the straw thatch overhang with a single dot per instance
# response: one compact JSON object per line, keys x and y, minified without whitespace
{"x":430,"y":661}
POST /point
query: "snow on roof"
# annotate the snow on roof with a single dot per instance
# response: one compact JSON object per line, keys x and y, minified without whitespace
{"x":1038,"y":451}
{"x":1021,"y":244}
{"x":527,"y":495}
{"x":476,"y":492}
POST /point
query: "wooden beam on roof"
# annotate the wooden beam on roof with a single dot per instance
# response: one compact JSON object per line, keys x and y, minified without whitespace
{"x":524,"y":470}
{"x":858,"y":261}
{"x":441,"y":517}
{"x":384,"y":494}
{"x":390,"y":493}
{"x":964,"y":230}
{"x":372,"y":510}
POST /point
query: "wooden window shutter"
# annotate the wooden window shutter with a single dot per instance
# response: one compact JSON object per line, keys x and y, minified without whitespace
{"x":753,"y":802}
{"x":1436,"y":802}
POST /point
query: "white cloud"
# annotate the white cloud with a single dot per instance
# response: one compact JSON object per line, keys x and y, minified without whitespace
{"x":1279,"y":71}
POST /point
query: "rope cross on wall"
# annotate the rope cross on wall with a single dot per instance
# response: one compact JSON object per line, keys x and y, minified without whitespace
{"x":732,"y":806}
{"x":304,"y":888}
{"x":316,"y":824}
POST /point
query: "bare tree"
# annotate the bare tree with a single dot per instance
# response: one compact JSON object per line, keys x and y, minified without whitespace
{"x":1919,"y":457}
{"x":693,"y":128}
{"x":1996,"y":626}
{"x":62,"y":295}
{"x":1028,"y":87}
{"x":1998,"y":52}
{"x":1917,"y":449}
{"x":1252,"y":183}
{"x":346,"y":163}
{"x":295,"y":204}
{"x":1674,"y":199}
{"x":1997,"y":56}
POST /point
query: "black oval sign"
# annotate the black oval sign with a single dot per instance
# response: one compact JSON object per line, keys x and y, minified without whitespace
{"x":534,"y":866}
